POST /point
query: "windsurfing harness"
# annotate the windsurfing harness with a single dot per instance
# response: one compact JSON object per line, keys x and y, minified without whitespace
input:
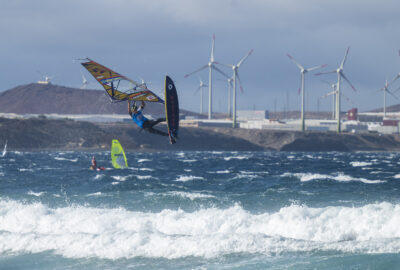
{"x":139,"y":118}
{"x":119,"y":87}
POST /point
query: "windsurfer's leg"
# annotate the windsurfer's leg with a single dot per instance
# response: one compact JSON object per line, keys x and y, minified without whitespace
{"x":155,"y":122}
{"x":155,"y":131}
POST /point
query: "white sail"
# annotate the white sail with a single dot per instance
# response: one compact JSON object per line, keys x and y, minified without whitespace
{"x":4,"y":150}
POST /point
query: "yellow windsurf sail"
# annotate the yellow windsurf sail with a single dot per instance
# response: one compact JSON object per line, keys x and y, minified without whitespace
{"x":118,"y":157}
{"x":119,"y":87}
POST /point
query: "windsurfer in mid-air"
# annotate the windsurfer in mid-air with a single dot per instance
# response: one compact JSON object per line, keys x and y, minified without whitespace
{"x":144,"y":123}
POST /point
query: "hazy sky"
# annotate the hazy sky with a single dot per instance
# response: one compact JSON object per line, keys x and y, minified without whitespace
{"x":152,"y":38}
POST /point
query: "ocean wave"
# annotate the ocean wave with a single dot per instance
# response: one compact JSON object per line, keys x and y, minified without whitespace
{"x":143,"y":177}
{"x":146,"y":169}
{"x":185,"y":178}
{"x":120,"y":178}
{"x":143,"y":160}
{"x":99,"y":176}
{"x":236,"y":157}
{"x":189,"y":160}
{"x":37,"y":194}
{"x":84,"y":232}
{"x":221,"y":172}
{"x":25,"y":170}
{"x":189,"y":195}
{"x":340,"y":177}
{"x":66,"y":159}
{"x":360,"y":163}
{"x":94,"y":194}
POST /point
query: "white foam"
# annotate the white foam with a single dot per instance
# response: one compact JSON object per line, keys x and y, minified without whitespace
{"x":184,"y":178}
{"x":397,"y":176}
{"x":360,"y":164}
{"x":189,"y":195}
{"x":143,"y":177}
{"x":84,"y":232}
{"x":120,"y":178}
{"x":146,"y":169}
{"x":189,"y":160}
{"x":304,"y":177}
{"x":236,"y":157}
{"x":221,"y":172}
{"x":94,"y":194}
{"x":37,"y":194}
{"x":143,"y":160}
{"x":99,"y":176}
{"x":25,"y":170}
{"x":66,"y":159}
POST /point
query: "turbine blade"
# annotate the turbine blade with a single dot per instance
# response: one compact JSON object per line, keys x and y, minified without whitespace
{"x":344,"y":58}
{"x":316,"y":67}
{"x":396,"y":90}
{"x":390,"y":92}
{"x":212,"y":48}
{"x":197,"y":70}
{"x":220,"y":71}
{"x":327,"y":72}
{"x":294,"y":61}
{"x":347,"y":80}
{"x":197,"y":90}
{"x":326,"y":82}
{"x":328,"y":94}
{"x":225,"y":65}
{"x":394,"y":79}
{"x":244,"y":58}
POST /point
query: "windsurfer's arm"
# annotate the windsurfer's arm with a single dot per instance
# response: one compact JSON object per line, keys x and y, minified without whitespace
{"x":142,"y":105}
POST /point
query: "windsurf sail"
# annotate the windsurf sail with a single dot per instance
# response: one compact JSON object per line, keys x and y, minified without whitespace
{"x":119,"y":87}
{"x":118,"y":157}
{"x":4,"y":150}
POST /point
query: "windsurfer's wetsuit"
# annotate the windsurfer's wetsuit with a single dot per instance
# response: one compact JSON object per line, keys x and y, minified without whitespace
{"x":146,"y":124}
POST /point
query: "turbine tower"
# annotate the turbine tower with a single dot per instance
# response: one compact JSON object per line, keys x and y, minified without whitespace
{"x":200,"y":88}
{"x":229,"y":80}
{"x":386,"y":90}
{"x":211,"y":66}
{"x":340,"y":75}
{"x":303,"y":71}
{"x":235,"y":76}
{"x":333,"y":94}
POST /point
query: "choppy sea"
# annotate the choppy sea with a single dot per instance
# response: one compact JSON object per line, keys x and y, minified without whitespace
{"x":200,"y":210}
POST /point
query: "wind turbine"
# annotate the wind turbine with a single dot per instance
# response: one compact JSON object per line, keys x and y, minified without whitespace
{"x":200,"y":88}
{"x":235,"y":76}
{"x":303,"y":71}
{"x":229,"y":80}
{"x":340,"y":75}
{"x":333,"y":94}
{"x":385,"y":90}
{"x":211,"y":66}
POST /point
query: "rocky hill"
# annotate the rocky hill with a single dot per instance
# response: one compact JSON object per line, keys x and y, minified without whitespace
{"x":49,"y":98}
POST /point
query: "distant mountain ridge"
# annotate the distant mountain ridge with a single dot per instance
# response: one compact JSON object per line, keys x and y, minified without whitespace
{"x":50,"y":98}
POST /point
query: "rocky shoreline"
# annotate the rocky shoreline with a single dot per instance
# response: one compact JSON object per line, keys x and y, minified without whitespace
{"x":37,"y":134}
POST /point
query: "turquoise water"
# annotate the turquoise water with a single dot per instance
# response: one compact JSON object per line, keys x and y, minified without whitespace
{"x":200,"y":210}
